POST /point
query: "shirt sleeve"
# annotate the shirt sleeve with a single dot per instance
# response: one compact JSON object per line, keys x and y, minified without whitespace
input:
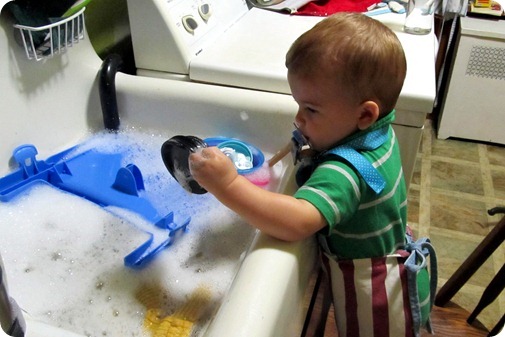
{"x":334,"y":189}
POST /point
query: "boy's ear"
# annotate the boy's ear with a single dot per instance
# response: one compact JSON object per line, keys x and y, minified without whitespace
{"x":368,"y":114}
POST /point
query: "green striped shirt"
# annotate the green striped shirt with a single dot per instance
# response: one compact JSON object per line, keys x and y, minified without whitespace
{"x":361,"y":223}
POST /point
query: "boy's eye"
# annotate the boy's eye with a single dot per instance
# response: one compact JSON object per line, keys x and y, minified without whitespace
{"x":311,"y":110}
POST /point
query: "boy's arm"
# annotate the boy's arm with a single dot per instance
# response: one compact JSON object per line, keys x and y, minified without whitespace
{"x":279,"y":215}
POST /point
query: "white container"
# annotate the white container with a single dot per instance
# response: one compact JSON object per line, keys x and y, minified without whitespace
{"x":419,"y":17}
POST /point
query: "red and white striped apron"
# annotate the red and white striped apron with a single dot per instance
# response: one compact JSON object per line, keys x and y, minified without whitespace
{"x":372,"y":298}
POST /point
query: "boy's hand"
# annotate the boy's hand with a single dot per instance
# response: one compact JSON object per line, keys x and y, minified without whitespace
{"x":212,"y":169}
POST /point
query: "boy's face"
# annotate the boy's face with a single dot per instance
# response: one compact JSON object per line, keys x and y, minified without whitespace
{"x":324,"y":117}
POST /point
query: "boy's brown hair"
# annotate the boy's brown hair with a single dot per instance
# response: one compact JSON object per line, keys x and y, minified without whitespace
{"x":365,"y":58}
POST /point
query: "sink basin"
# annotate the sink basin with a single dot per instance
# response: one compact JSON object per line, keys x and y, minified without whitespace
{"x":54,"y":104}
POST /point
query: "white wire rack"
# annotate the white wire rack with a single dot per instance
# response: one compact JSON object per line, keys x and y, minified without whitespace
{"x":49,"y":40}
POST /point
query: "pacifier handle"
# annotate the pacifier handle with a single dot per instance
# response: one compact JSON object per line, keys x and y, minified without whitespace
{"x":298,"y":146}
{"x":280,"y":154}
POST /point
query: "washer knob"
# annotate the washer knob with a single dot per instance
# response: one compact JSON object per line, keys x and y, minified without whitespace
{"x":205,"y":11}
{"x":189,"y":23}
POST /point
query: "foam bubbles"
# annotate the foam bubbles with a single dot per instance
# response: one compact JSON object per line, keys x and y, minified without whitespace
{"x":64,"y":255}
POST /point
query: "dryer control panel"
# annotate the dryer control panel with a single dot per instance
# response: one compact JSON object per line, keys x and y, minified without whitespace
{"x":190,"y":22}
{"x":166,"y":34}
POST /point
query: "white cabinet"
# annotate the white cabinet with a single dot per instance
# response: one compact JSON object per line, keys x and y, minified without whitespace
{"x":473,"y":104}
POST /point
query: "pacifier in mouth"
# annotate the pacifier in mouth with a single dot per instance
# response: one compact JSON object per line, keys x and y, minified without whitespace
{"x":300,"y":146}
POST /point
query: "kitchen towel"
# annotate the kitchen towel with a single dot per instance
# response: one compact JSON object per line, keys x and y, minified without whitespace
{"x":329,"y":7}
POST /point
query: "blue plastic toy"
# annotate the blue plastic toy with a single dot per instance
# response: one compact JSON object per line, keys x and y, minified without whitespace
{"x":240,"y":146}
{"x":97,"y":177}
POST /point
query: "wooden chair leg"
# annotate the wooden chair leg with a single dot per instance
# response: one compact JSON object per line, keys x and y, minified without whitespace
{"x":315,"y":325}
{"x":312,"y":304}
{"x":471,"y":264}
{"x":491,"y":292}
{"x":325,"y":305}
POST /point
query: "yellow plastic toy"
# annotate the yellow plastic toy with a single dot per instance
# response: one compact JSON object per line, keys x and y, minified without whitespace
{"x":180,"y":323}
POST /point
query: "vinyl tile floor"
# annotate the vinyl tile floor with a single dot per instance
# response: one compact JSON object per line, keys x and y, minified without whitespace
{"x":454,"y":183}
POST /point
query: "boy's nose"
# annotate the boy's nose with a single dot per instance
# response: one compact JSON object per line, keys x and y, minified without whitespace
{"x":298,"y":118}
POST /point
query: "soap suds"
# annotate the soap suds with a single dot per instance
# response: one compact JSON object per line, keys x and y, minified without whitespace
{"x":64,"y":255}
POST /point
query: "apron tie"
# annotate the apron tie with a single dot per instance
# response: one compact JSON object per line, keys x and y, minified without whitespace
{"x":417,"y":260}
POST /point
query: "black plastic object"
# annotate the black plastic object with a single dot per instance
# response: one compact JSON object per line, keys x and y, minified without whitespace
{"x":175,"y":154}
{"x":11,"y":316}
{"x":107,"y":88}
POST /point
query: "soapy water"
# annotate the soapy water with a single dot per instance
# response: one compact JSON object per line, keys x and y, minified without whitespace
{"x":64,"y":255}
{"x":240,"y":161}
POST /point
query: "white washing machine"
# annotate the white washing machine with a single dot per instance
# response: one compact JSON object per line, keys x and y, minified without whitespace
{"x":230,"y":44}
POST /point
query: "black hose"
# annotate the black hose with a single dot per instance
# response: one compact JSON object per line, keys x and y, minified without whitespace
{"x":107,"y":88}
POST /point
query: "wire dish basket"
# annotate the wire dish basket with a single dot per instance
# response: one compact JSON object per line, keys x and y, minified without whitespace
{"x":49,"y":40}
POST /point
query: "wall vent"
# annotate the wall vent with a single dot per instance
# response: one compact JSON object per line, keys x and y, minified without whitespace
{"x":488,"y":62}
